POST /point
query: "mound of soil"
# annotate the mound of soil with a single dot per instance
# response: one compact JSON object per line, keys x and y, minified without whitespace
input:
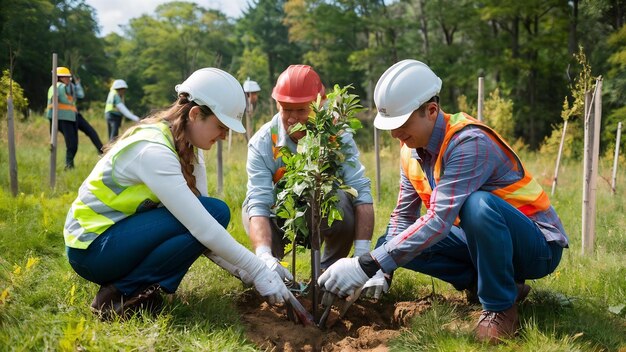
{"x":367,"y":325}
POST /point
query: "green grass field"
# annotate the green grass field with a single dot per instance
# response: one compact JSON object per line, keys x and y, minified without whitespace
{"x":44,"y":304}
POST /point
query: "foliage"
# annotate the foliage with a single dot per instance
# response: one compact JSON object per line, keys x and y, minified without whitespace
{"x":33,"y":30}
{"x":262,"y":23}
{"x":614,"y":88}
{"x":20,"y":103}
{"x":164,"y":49}
{"x":49,"y":304}
{"x":574,"y":112}
{"x":498,"y":114}
{"x":312,"y":175}
{"x":572,"y":145}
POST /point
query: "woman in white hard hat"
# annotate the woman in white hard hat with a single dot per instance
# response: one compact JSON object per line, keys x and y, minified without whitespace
{"x":115,"y":109}
{"x":118,"y":236}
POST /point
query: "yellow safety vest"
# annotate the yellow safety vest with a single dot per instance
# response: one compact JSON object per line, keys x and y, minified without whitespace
{"x":526,"y":194}
{"x":110,"y":106}
{"x":102,"y":202}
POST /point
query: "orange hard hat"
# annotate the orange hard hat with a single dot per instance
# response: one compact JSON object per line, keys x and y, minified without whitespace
{"x":298,"y":84}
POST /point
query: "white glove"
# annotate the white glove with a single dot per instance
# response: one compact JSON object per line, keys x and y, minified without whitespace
{"x":376,"y":286}
{"x":265,"y":253}
{"x":343,"y":277}
{"x":361,"y":247}
{"x":233,"y":269}
{"x":271,"y":286}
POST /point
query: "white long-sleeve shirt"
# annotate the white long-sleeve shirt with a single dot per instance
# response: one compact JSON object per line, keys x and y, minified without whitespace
{"x":137,"y":165}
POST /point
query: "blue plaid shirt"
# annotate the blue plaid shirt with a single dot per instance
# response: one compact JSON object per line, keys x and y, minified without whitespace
{"x":261,"y":167}
{"x":472,"y":162}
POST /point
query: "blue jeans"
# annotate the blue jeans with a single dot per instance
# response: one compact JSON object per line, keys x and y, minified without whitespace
{"x":501,"y":246}
{"x":114,"y":121}
{"x":143,"y":249}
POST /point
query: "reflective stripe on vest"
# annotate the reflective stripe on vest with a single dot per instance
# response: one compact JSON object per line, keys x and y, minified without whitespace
{"x":110,"y":106}
{"x":526,"y":195}
{"x":102,"y":202}
{"x":60,"y":94}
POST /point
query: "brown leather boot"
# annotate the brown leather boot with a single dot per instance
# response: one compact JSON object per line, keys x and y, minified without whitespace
{"x":522,"y":292}
{"x":148,"y":299}
{"x":494,"y":326}
{"x":110,"y":302}
{"x":106,"y":302}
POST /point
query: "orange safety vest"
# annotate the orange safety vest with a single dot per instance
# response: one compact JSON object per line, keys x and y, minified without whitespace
{"x":280,"y":172}
{"x":526,"y":195}
{"x":62,"y":106}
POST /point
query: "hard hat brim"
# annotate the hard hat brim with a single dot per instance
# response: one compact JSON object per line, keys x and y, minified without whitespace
{"x":295,"y":100}
{"x":390,"y":123}
{"x":231,"y":123}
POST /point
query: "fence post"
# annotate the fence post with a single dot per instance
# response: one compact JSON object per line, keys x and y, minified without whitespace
{"x":558,"y":159}
{"x":11,"y":139}
{"x":55,"y":123}
{"x":616,"y":157}
{"x":481,"y":97}
{"x":590,"y":166}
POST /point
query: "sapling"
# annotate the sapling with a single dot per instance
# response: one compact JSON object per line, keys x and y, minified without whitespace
{"x":307,"y":192}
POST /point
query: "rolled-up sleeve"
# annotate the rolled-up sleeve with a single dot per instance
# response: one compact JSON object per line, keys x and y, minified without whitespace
{"x":260,"y":194}
{"x":353,"y":172}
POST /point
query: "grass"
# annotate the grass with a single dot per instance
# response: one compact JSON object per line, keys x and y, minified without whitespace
{"x":44,"y":304}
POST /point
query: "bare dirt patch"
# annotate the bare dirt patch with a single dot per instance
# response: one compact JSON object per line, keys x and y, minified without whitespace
{"x":367,"y":326}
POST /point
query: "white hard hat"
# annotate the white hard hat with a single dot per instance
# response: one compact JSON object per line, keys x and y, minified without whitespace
{"x":119,"y":84}
{"x":402,"y":89}
{"x":250,"y":86}
{"x":220,"y":92}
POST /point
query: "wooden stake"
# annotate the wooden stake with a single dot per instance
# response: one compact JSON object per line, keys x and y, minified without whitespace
{"x":481,"y":97}
{"x":249,"y":112}
{"x":590,"y":166}
{"x":616,"y":157}
{"x":11,"y":135}
{"x":55,"y":123}
{"x":558,"y":159}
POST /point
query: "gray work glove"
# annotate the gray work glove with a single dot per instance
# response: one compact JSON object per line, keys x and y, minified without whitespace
{"x":264,"y":253}
{"x":376,"y":286}
{"x":271,"y":286}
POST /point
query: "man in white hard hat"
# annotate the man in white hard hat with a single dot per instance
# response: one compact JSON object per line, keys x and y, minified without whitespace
{"x":488,"y":226}
{"x":115,"y":108}
{"x":252,"y":89}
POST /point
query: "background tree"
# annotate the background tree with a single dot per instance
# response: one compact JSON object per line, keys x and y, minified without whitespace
{"x":161,"y":50}
{"x":262,"y":25}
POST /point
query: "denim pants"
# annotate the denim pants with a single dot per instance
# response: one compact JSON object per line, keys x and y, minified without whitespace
{"x":500,"y":247}
{"x":337,"y":239}
{"x":69,"y":130}
{"x":114,"y":122}
{"x":143,"y":249}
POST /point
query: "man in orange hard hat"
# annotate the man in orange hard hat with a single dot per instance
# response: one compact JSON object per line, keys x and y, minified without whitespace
{"x":297,"y":87}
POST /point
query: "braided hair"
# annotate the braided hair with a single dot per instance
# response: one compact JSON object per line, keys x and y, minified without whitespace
{"x":177,"y":116}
